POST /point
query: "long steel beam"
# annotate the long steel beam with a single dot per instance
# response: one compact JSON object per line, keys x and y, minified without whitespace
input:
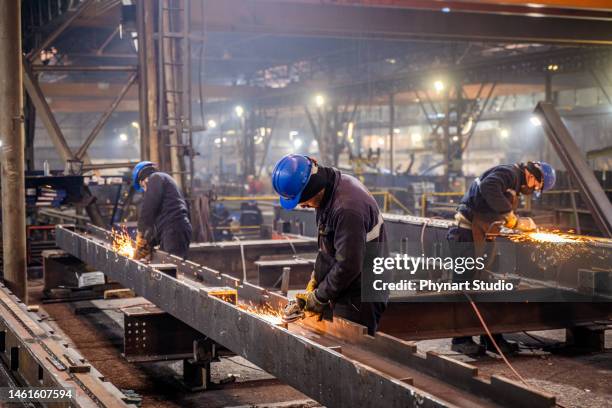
{"x":575,"y":162}
{"x":347,"y":20}
{"x":336,"y":363}
{"x":84,"y":68}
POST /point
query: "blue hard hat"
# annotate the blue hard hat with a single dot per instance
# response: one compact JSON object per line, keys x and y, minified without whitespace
{"x":549,"y":176}
{"x":136,"y":173}
{"x":290,"y":177}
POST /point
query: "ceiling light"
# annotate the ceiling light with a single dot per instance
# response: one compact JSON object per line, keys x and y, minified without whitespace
{"x":535,"y":121}
{"x":239,"y":111}
{"x":319,"y":100}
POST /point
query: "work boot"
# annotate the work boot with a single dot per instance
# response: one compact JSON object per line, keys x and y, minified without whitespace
{"x":505,"y":346}
{"x":467,"y":346}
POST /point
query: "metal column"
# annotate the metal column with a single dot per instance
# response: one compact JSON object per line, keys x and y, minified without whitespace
{"x":391,"y":131}
{"x":147,"y":82}
{"x":151,"y":80}
{"x":13,"y":149}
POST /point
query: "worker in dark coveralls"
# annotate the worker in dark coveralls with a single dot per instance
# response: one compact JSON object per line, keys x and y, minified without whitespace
{"x":489,"y":204}
{"x":163,"y":216}
{"x":348,"y":218}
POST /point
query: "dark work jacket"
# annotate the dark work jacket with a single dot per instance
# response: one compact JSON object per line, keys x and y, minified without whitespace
{"x":346,"y":220}
{"x":494,"y":193}
{"x":163,"y":208}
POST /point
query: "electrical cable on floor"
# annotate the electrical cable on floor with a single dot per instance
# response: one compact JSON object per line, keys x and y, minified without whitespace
{"x":486,"y":328}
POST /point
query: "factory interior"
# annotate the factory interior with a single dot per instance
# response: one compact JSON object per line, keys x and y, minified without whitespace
{"x":195,"y":195}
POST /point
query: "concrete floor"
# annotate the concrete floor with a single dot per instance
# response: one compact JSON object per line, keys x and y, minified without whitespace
{"x":578,"y":381}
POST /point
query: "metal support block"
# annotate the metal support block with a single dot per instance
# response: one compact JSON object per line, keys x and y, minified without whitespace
{"x":592,"y":282}
{"x":150,"y":334}
{"x":590,"y":338}
{"x":60,"y":269}
{"x":270,"y":273}
{"x":196,"y":375}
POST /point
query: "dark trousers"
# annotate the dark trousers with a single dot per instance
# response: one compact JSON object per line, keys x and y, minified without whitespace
{"x":463,"y":235}
{"x":175,"y":240}
{"x":365,"y":313}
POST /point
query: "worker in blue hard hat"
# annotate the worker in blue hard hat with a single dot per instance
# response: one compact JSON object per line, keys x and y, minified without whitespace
{"x":490,"y":203}
{"x":348,"y":219}
{"x":163,"y":217}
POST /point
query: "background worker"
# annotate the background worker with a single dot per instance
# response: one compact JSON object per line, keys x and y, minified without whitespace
{"x":163,"y":218}
{"x":489,"y":203}
{"x":347,"y":217}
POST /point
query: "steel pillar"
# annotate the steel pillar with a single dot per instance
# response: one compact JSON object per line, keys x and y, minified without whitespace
{"x":13,"y":149}
{"x":149,"y":145}
{"x":391,"y":131}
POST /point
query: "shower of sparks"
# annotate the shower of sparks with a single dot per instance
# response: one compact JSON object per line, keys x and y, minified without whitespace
{"x":265,"y":311}
{"x":122,"y":243}
{"x":553,"y":236}
{"x":554,"y":246}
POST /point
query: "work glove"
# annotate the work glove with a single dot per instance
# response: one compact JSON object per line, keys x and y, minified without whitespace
{"x":525,"y":224}
{"x":511,"y":220}
{"x":144,"y":250}
{"x":312,"y":284}
{"x":310,"y":304}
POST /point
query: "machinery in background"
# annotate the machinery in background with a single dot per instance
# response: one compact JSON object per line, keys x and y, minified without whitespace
{"x":243,"y":223}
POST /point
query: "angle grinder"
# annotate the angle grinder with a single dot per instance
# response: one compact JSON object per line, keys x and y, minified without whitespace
{"x":294,"y":311}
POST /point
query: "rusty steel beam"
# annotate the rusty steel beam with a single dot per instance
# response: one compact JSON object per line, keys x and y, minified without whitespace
{"x":349,"y":21}
{"x":83,"y":68}
{"x":39,"y":358}
{"x":575,"y":162}
{"x":112,"y":165}
{"x":431,"y":320}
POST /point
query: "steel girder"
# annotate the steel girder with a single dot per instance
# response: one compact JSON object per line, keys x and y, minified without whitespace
{"x":320,"y":373}
{"x":40,"y":358}
{"x":576,"y":164}
{"x":351,"y":21}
